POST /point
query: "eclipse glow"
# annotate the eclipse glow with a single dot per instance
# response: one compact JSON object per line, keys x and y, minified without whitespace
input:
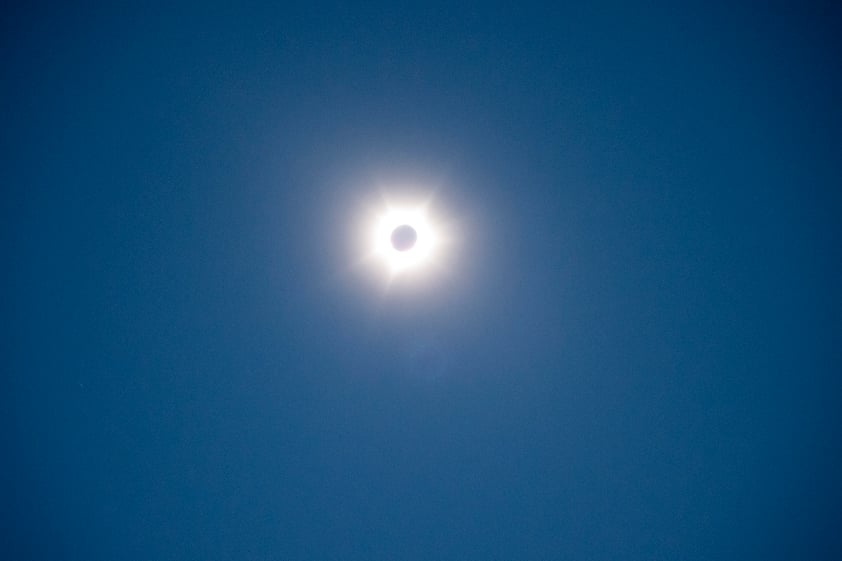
{"x":404,"y":238}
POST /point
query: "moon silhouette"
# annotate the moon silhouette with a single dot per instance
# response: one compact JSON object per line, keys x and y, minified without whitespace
{"x":404,"y":237}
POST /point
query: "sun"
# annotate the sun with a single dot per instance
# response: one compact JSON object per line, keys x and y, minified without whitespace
{"x":404,"y":238}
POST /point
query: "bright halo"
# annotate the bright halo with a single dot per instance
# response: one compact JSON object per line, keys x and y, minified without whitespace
{"x":404,"y":239}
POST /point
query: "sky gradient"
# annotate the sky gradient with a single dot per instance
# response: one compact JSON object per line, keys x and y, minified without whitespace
{"x":631,"y":352}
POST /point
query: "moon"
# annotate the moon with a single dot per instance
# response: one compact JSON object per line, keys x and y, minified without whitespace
{"x":403,"y":237}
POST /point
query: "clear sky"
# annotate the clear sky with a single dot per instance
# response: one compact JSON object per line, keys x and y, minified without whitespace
{"x":631,"y":350}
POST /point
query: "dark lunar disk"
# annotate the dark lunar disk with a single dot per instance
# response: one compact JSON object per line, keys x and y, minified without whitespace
{"x":404,"y":237}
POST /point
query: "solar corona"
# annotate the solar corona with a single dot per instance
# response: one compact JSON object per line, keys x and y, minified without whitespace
{"x":404,"y":239}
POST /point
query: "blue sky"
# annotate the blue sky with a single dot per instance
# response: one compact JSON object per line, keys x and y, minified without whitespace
{"x":631,"y":352}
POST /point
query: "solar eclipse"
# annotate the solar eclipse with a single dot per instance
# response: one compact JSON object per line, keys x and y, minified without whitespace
{"x":404,"y":238}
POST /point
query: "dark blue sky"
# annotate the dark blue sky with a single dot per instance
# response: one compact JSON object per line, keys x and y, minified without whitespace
{"x":634,"y":355}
